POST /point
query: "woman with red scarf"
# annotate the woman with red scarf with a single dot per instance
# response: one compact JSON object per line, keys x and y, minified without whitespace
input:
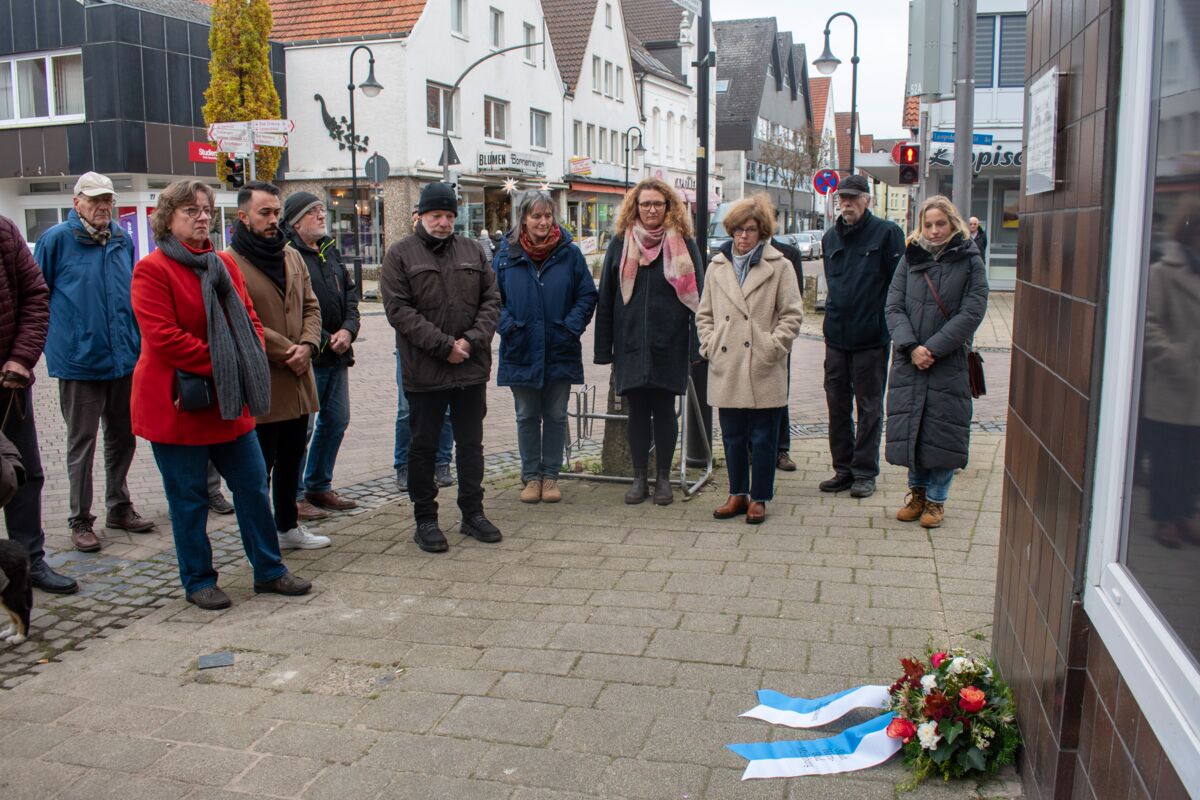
{"x":646,"y":323}
{"x":547,"y":297}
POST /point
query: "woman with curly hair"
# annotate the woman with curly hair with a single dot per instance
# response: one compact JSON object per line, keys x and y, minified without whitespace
{"x":645,"y":323}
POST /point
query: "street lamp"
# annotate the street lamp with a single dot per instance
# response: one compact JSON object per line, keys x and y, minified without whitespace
{"x":370,"y":88}
{"x":640,"y":150}
{"x":827,"y":62}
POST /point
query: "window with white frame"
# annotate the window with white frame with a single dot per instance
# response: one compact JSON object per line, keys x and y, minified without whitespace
{"x":495,"y":119}
{"x":619,"y":90}
{"x":496,"y":29}
{"x":591,"y":140}
{"x":577,"y":139}
{"x":438,"y":107}
{"x":539,"y":129}
{"x":999,"y":51}
{"x":596,"y":74}
{"x":624,"y":148}
{"x":608,"y":14}
{"x":670,"y":134}
{"x":683,"y":137}
{"x":42,"y":88}
{"x":530,"y":39}
{"x":763,"y":131}
{"x":1141,"y":590}
{"x":613,"y":147}
{"x":602,"y":150}
{"x":458,"y":17}
{"x":608,"y":78}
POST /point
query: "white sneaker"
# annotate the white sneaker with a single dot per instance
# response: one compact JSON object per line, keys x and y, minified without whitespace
{"x":299,"y":537}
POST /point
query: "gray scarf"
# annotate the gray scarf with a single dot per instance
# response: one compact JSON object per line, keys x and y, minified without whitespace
{"x":741,"y":264}
{"x":239,"y":363}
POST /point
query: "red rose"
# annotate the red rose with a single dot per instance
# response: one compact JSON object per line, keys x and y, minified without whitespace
{"x":971,"y":699}
{"x":900,"y":728}
{"x":936,"y":659}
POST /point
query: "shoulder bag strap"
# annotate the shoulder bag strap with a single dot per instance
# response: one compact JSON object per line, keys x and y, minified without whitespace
{"x":936,"y":297}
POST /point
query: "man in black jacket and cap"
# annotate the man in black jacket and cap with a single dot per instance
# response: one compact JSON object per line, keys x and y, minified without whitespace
{"x":304,"y":225}
{"x":441,"y":296}
{"x":861,"y":252}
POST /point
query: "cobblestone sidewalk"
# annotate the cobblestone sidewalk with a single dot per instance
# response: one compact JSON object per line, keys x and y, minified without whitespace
{"x":600,"y":651}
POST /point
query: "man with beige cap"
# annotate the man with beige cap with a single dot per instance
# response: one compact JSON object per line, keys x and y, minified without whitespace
{"x":92,"y":347}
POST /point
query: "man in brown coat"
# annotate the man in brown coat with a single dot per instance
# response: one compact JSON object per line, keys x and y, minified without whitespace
{"x":278,"y":283}
{"x":440,"y":295}
{"x":24,"y":319}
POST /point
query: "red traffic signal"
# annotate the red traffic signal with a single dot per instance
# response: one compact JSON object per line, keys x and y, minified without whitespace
{"x":910,"y":154}
{"x":236,"y":172}
{"x":909,"y":159}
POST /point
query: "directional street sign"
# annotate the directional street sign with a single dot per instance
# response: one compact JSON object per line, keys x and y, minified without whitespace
{"x":239,"y":145}
{"x":270,"y":139}
{"x":260,"y":126}
{"x":984,"y":139}
{"x":825,"y":181}
{"x":228,"y":130}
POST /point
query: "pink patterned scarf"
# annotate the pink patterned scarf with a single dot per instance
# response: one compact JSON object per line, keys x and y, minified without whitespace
{"x":640,"y":249}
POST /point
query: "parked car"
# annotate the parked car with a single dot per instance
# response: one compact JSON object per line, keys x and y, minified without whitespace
{"x":807,"y":242}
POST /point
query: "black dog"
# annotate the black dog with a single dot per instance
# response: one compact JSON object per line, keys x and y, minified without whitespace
{"x":16,"y":592}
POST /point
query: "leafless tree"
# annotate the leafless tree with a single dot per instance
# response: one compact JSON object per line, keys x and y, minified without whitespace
{"x":792,"y":156}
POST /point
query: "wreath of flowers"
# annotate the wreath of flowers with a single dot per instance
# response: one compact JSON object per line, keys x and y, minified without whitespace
{"x":955,"y":716}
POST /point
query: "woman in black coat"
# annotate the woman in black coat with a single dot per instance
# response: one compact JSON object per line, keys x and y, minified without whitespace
{"x":937,"y":299}
{"x":646,"y":323}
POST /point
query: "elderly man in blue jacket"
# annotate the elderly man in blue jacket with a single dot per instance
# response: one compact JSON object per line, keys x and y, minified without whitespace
{"x":91,"y":348}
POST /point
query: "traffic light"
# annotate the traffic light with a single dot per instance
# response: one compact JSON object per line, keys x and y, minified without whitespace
{"x":910,"y":164}
{"x":236,"y":172}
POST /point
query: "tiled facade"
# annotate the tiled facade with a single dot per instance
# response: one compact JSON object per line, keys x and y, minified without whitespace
{"x":1085,"y":736}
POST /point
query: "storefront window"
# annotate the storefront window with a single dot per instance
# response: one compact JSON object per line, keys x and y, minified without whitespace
{"x":370,"y":223}
{"x":1161,"y":542}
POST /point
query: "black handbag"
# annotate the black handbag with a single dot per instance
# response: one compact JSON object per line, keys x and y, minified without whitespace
{"x":974,"y":360}
{"x":194,"y":392}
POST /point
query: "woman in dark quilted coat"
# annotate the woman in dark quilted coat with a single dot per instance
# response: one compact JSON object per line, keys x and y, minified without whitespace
{"x":937,"y":299}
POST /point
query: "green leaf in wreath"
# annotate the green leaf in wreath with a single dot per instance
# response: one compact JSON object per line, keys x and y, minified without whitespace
{"x":950,"y":730}
{"x":940,"y":755}
{"x":976,"y":760}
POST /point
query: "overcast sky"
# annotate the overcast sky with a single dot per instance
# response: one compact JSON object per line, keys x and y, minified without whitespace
{"x":882,"y":50}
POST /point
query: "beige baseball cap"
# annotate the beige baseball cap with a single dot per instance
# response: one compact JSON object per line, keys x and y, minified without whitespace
{"x":93,"y":184}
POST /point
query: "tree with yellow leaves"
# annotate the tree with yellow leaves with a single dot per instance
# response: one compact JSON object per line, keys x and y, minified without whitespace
{"x":239,"y":74}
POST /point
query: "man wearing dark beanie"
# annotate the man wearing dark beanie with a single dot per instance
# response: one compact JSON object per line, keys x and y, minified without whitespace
{"x":440,"y":295}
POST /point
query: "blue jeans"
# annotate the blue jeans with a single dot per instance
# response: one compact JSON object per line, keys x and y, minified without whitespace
{"x":751,"y":437}
{"x":935,"y":482}
{"x":541,"y":428}
{"x":445,"y":448}
{"x":326,"y":428}
{"x":184,"y":471}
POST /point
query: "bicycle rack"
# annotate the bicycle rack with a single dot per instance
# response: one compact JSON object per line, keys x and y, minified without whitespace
{"x":585,"y":416}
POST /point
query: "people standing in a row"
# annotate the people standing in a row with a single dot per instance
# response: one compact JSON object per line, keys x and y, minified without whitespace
{"x":92,"y":347}
{"x":24,"y":320}
{"x":749,"y":314}
{"x":936,"y":302}
{"x":440,"y":295}
{"x":201,"y":378}
{"x":337,"y":296}
{"x":278,"y":283}
{"x":645,"y":324}
{"x":860,"y":252}
{"x":547,"y":298}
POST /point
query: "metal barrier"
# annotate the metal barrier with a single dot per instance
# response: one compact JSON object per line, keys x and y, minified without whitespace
{"x":585,"y":414}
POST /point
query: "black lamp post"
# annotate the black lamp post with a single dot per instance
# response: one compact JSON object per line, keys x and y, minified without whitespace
{"x":370,"y":87}
{"x":637,"y":151}
{"x":827,"y":62}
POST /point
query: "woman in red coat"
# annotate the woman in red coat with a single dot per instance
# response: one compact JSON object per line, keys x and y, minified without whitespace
{"x":201,"y":378}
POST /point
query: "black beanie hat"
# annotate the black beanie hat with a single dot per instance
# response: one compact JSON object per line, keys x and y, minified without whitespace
{"x":297,"y":205}
{"x":438,"y":197}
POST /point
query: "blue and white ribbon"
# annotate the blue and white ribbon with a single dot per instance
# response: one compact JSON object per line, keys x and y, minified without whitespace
{"x":800,"y":712}
{"x":859,"y":747}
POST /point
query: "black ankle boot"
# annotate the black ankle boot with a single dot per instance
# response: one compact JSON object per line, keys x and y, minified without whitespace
{"x":662,"y":489}
{"x":639,"y":490}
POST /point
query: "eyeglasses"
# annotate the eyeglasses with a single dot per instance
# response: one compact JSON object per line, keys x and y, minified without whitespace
{"x":745,"y":230}
{"x":195,"y":212}
{"x":652,"y":205}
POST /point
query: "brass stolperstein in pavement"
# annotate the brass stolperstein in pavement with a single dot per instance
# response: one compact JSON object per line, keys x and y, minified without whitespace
{"x":687,"y":408}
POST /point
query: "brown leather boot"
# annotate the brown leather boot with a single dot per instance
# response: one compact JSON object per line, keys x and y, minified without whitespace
{"x":663,"y":495}
{"x":914,"y":505}
{"x":84,"y":538}
{"x":308,"y":512}
{"x":934,"y":513}
{"x":330,"y":500}
{"x":736,"y":504}
{"x":639,"y":490}
{"x":756,"y":513}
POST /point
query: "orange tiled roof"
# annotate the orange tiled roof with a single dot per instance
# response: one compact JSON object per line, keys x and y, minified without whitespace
{"x":304,"y":20}
{"x":818,"y":89}
{"x":842,"y":129}
{"x":866,"y":143}
{"x":912,"y":112}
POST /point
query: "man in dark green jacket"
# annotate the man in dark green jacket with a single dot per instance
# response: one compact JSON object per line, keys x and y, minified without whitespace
{"x":440,"y":295}
{"x":304,"y":226}
{"x":861,"y":252}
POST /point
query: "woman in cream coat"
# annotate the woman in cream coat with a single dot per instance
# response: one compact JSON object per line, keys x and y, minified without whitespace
{"x":749,"y":314}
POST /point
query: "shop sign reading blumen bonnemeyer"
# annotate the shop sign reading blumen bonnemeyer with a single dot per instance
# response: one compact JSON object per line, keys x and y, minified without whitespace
{"x":508,"y":161}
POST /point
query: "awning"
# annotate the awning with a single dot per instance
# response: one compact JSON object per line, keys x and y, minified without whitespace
{"x":689,"y":196}
{"x":599,"y":188}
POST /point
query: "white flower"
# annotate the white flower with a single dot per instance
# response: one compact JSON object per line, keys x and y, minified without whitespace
{"x":929,"y":683}
{"x":959,"y":665}
{"x":928,"y":735}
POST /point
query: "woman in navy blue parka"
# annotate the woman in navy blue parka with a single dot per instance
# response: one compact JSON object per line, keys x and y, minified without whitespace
{"x":547,"y":299}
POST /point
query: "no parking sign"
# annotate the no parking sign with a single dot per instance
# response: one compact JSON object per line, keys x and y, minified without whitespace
{"x":825,"y":181}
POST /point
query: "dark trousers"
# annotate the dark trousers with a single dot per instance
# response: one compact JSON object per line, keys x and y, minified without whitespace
{"x":855,"y":380}
{"x":785,"y":422}
{"x":282,"y":446}
{"x":427,"y":413}
{"x":23,"y":514}
{"x":751,"y":437}
{"x":651,"y":409}
{"x":1174,"y":469}
{"x":85,"y":405}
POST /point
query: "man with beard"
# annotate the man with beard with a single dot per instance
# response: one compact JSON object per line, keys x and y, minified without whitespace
{"x":861,"y":252}
{"x":440,"y":295}
{"x":279,"y":285}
